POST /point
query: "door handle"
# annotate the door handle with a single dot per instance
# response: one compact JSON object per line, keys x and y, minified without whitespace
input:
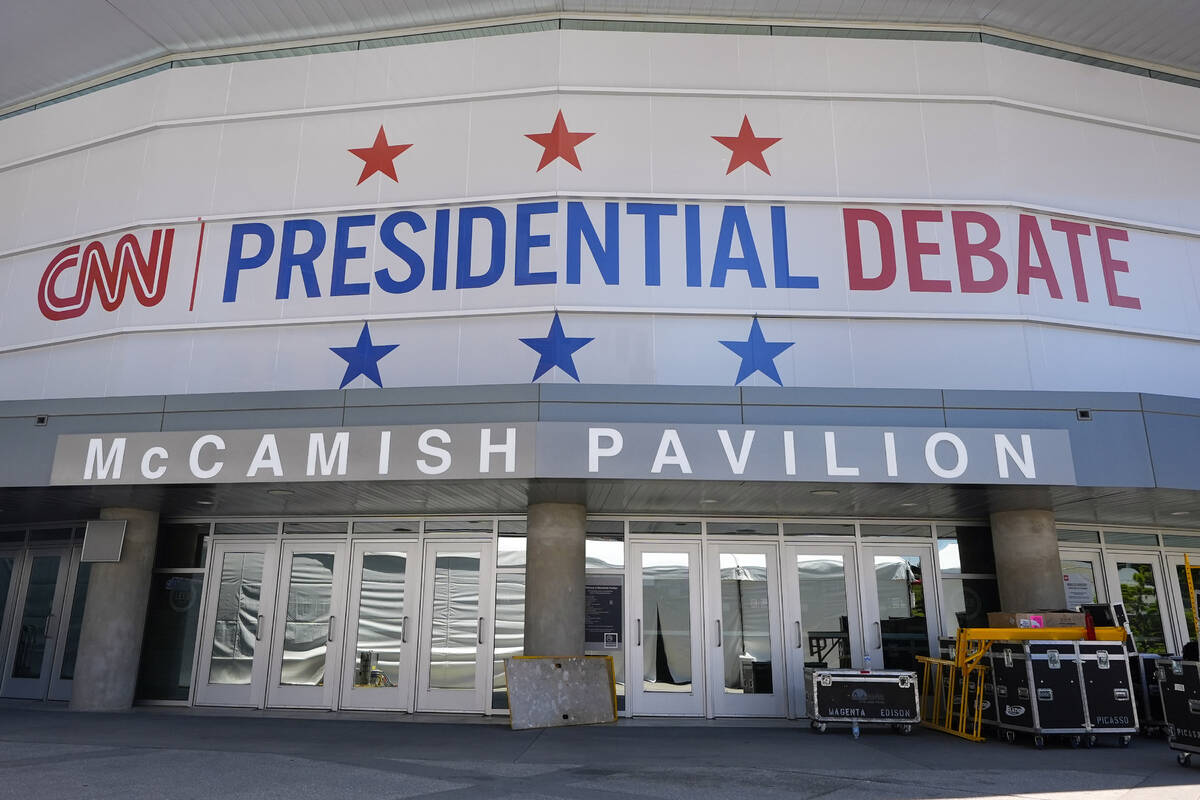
{"x":639,"y":624}
{"x":258,"y":630}
{"x":481,"y":630}
{"x":878,"y":637}
{"x":46,"y":626}
{"x":329,"y":629}
{"x":799,"y":635}
{"x":718,"y":633}
{"x":404,"y":631}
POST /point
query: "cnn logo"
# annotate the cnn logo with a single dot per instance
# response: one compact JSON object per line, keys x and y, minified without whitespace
{"x":95,"y":273}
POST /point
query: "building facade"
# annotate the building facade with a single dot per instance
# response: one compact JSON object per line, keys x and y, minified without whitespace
{"x":719,"y":347}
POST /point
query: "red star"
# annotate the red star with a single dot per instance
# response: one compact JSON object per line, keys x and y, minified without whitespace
{"x":747,"y":148}
{"x":559,"y":143}
{"x":379,"y":157}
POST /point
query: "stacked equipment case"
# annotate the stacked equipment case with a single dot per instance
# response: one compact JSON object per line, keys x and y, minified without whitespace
{"x":1179,"y":685}
{"x":1074,"y":689}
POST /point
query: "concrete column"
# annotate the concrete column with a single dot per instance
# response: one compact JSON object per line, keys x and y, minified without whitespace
{"x":110,"y":641}
{"x":555,"y":575}
{"x":1028,"y":569}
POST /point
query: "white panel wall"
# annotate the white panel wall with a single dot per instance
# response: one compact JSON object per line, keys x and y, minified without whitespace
{"x":890,"y":124}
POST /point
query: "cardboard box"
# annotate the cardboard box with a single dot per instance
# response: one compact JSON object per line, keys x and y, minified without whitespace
{"x":1035,"y":619}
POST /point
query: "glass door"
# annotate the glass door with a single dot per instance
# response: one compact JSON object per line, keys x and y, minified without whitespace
{"x":381,"y":623}
{"x":63,"y":674}
{"x":1083,"y":577}
{"x":900,"y":604}
{"x":745,"y":653}
{"x":821,"y":612}
{"x":33,"y":638}
{"x":1137,"y":579}
{"x":1176,"y":567}
{"x":309,"y":622}
{"x":10,"y":568}
{"x":456,"y":626}
{"x":240,"y":608}
{"x":666,"y":668}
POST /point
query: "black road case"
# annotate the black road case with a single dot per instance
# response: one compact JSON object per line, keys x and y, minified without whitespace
{"x":860,"y":697}
{"x":1143,"y":667}
{"x":1072,"y":689}
{"x":1179,"y":685}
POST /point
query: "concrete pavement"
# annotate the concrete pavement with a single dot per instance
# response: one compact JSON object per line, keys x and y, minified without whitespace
{"x":155,"y":753}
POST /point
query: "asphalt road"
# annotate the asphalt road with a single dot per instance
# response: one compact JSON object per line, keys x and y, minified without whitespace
{"x":52,"y":753}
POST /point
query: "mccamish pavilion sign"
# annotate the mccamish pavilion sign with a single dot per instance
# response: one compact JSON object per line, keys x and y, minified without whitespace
{"x":570,"y":450}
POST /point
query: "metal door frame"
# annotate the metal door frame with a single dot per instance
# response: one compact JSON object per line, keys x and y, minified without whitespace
{"x":325,"y":694}
{"x":1165,"y":595}
{"x":795,"y":624}
{"x":403,"y":699}
{"x":869,"y":594}
{"x":36,"y":688}
{"x":60,"y":688}
{"x":1095,"y":556}
{"x":8,"y":603}
{"x":638,"y":701}
{"x":721,"y":703}
{"x":253,"y":694}
{"x":457,"y":700}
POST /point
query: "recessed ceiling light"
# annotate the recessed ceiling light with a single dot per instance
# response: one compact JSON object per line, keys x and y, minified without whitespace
{"x":204,"y":502}
{"x":824,"y":492}
{"x":1180,"y":513}
{"x":907,"y":505}
{"x":710,"y":500}
{"x":280,"y":492}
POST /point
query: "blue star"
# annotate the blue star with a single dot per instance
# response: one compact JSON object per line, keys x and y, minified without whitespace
{"x":556,"y":349}
{"x":363,"y":358}
{"x":757,"y":354}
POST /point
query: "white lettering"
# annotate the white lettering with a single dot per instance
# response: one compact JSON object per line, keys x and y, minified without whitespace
{"x":960,"y":450}
{"x":831,"y":465}
{"x":616,"y":443}
{"x":509,"y":448}
{"x":676,"y":455}
{"x":338,"y":452}
{"x":154,"y":473}
{"x":266,"y":457}
{"x":385,"y":451}
{"x":889,"y":453}
{"x":443,"y":455}
{"x":194,"y":456}
{"x":738,"y":464}
{"x":1023,"y":462}
{"x":99,"y":465}
{"x":789,"y":452}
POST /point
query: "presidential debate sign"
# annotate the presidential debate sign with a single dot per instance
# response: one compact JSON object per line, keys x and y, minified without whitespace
{"x":720,"y":288}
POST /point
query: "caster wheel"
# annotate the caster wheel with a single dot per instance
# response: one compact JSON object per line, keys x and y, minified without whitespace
{"x":1125,"y":740}
{"x":906,"y":730}
{"x":820,"y":727}
{"x":1090,"y":742}
{"x":1039,"y":742}
{"x":855,"y":731}
{"x":813,"y":724}
{"x":1076,"y":741}
{"x":1184,"y":759}
{"x":1010,"y":736}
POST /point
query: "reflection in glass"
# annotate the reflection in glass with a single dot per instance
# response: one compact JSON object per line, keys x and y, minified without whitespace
{"x":667,"y":622}
{"x":454,"y":621}
{"x":510,"y":630}
{"x":604,"y":626}
{"x":75,"y":624}
{"x":381,"y":620}
{"x":39,"y":602}
{"x":967,"y":601}
{"x":1180,"y":573}
{"x":173,"y":614}
{"x":1140,"y":596}
{"x":745,"y":623}
{"x":823,"y":609}
{"x":306,"y":628}
{"x":902,"y":623}
{"x":235,"y":627}
{"x":6,"y":571}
